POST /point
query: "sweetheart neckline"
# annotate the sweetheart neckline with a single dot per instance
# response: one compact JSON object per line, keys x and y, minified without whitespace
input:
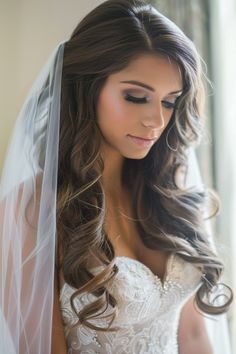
{"x":162,"y":281}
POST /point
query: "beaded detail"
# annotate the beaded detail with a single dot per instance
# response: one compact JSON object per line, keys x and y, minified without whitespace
{"x":148,"y":310}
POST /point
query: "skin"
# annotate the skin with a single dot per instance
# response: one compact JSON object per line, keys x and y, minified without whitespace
{"x":117,"y":118}
{"x":192,"y":334}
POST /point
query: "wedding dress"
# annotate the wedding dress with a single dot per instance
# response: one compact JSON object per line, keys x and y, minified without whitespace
{"x":148,"y":309}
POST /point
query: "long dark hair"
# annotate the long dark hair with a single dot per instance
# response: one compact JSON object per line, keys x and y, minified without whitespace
{"x":169,"y":217}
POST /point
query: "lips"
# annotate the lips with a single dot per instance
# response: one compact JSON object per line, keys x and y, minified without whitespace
{"x":142,"y":142}
{"x":143,"y":138}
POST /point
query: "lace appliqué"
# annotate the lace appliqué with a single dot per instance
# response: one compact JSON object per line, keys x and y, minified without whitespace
{"x":148,"y":310}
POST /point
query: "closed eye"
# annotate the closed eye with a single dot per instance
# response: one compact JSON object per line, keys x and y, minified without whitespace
{"x":136,"y":99}
{"x":168,"y":104}
{"x":142,"y":100}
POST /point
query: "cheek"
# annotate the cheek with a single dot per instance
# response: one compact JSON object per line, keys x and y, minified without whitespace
{"x":112,"y":112}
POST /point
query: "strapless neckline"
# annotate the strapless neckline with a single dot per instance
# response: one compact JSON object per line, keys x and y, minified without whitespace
{"x":161,"y":281}
{"x":147,"y":309}
{"x":144,"y":266}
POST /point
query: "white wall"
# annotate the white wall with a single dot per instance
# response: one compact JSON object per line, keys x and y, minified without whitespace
{"x":9,"y":67}
{"x":29,"y":31}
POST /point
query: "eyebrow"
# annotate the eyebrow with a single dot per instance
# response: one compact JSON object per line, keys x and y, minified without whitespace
{"x":142,"y":84}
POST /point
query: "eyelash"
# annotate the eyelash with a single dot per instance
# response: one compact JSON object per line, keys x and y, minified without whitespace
{"x":144,"y":100}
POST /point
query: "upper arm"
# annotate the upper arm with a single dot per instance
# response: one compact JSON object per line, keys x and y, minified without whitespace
{"x":191,"y":322}
{"x":192,"y":332}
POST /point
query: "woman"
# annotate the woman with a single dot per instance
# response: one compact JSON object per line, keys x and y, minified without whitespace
{"x":104,"y":138}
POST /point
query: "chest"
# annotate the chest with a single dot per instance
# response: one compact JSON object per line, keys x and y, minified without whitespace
{"x":121,"y":229}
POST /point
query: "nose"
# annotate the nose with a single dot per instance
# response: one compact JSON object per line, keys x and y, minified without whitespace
{"x":155,"y":118}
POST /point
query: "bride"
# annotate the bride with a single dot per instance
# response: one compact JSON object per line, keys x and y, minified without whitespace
{"x":104,"y":244}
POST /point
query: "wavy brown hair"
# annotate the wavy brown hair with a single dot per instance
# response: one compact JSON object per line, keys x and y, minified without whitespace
{"x":168,"y":216}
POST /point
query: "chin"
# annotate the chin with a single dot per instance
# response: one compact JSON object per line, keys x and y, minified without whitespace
{"x":137,"y":156}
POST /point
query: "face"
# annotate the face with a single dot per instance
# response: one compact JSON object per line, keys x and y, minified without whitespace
{"x":136,"y":104}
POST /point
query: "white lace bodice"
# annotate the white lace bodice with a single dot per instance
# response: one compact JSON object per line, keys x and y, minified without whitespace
{"x":148,"y":309}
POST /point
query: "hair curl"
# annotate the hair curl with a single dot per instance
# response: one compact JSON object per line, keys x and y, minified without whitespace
{"x":168,"y":217}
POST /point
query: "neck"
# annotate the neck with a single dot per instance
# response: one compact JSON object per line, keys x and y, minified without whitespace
{"x":112,"y":174}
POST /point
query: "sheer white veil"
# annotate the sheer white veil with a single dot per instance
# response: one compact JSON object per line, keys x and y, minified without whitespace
{"x":28,"y":219}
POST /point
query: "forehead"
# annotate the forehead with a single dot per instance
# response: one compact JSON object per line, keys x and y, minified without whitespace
{"x":156,"y":70}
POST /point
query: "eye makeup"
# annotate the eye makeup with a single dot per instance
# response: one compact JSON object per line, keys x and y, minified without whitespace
{"x":143,"y":100}
{"x":136,"y":99}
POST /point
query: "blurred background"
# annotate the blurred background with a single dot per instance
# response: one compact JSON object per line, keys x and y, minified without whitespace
{"x":30,"y":30}
{"x":211,"y":24}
